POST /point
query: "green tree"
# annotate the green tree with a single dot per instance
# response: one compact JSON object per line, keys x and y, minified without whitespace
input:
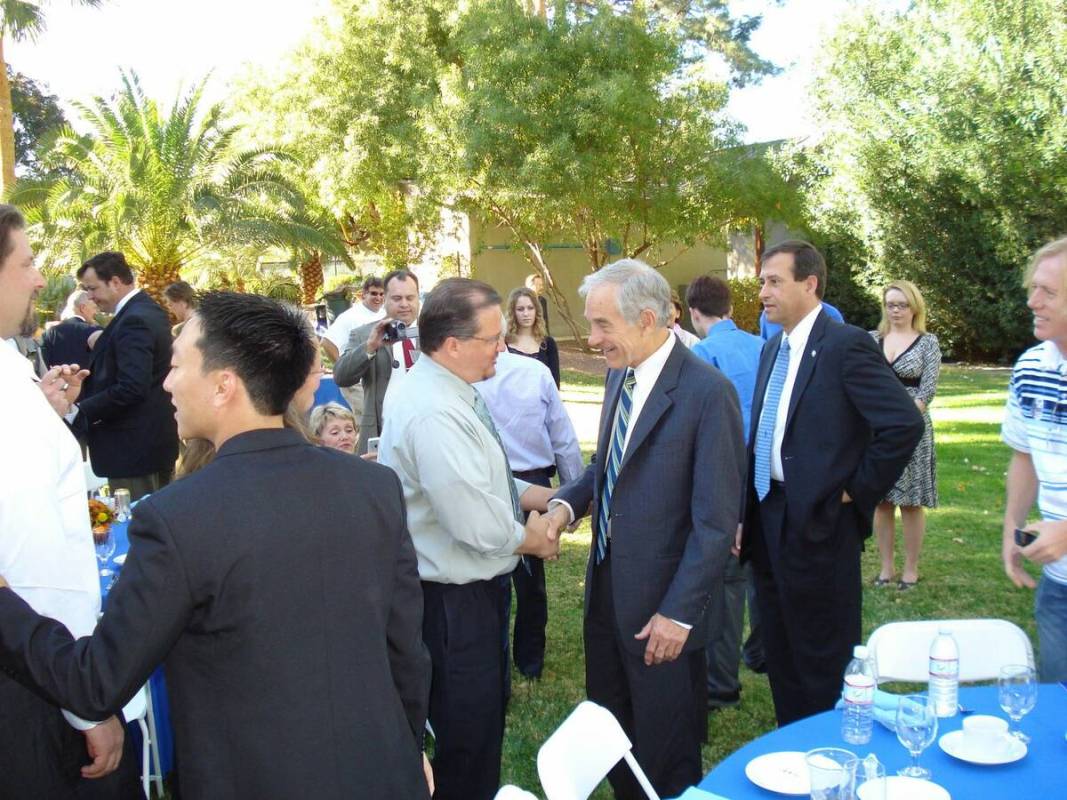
{"x":167,"y":189}
{"x":590,"y":120}
{"x":19,"y":19}
{"x":37,"y":116}
{"x":946,"y":149}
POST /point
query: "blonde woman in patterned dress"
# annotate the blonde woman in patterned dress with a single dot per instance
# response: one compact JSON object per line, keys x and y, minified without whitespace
{"x":915,"y":357}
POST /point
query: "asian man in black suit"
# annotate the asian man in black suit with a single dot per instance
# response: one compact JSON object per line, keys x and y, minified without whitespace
{"x":665,"y":489}
{"x":832,"y":428}
{"x":278,"y":584}
{"x":124,"y":414}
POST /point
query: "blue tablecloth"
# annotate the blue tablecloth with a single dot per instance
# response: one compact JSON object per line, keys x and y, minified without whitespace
{"x":329,"y":393}
{"x":1042,"y":773}
{"x":156,"y":683}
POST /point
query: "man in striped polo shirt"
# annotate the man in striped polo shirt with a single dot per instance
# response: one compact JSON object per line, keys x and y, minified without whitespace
{"x":1035,"y":427}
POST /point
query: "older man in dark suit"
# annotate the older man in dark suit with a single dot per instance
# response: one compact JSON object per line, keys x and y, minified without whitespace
{"x":665,"y":492}
{"x":379,"y":362}
{"x":124,"y":414}
{"x":290,"y":629}
{"x":832,"y":429}
{"x":69,"y":341}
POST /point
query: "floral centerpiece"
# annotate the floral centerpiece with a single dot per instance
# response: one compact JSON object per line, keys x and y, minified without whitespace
{"x":100,"y":518}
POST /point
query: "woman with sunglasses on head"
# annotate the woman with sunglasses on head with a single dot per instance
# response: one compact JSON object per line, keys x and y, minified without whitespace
{"x":915,"y":357}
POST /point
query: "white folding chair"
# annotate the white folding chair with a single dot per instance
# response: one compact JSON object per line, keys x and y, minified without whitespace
{"x":140,"y":709}
{"x":92,"y":480}
{"x":901,"y":650}
{"x":510,"y":792}
{"x":581,"y":752}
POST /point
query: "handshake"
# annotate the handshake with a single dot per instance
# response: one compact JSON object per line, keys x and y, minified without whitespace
{"x":543,"y":533}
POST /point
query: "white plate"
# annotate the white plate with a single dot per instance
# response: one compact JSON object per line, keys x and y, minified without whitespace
{"x":784,"y":773}
{"x":120,"y":559}
{"x":953,"y":743}
{"x":901,"y":787}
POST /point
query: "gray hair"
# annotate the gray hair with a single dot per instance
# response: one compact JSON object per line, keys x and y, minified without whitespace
{"x":640,"y":287}
{"x":77,"y":299}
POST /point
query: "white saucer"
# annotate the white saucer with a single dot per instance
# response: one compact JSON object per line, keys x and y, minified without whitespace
{"x":784,"y":773}
{"x":901,"y":787}
{"x":954,"y":744}
{"x":120,"y":559}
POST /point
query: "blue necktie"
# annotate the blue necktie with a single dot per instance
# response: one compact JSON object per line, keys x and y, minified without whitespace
{"x":765,"y":432}
{"x":611,"y":472}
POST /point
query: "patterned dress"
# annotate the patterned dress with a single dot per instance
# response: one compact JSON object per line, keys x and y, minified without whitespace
{"x":918,"y":368}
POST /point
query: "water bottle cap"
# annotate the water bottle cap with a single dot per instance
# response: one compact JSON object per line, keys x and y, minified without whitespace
{"x":859,"y":651}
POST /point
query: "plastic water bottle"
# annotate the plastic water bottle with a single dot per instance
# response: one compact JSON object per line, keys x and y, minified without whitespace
{"x":945,"y":674}
{"x":858,"y":693}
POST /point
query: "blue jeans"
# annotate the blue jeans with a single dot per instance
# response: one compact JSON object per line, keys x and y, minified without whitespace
{"x":1050,"y":611}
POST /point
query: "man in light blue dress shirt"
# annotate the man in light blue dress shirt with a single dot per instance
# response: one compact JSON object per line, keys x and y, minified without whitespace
{"x":736,"y":354}
{"x":540,"y":441}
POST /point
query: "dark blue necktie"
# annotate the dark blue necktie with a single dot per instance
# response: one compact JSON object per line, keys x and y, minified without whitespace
{"x":611,"y":472}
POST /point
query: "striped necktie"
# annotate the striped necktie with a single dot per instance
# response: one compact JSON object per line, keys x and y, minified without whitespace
{"x":611,"y":471}
{"x":768,"y":418}
{"x":482,"y":410}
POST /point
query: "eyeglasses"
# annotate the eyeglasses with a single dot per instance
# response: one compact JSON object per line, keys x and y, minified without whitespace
{"x":898,"y":306}
{"x":484,"y":339}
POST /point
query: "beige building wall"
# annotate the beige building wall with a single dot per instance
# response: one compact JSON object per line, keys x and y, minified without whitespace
{"x":496,"y":260}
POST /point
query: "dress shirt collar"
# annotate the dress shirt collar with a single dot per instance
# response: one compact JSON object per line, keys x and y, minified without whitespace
{"x":122,"y":303}
{"x":798,"y":339}
{"x":438,"y":372}
{"x":647,"y":372}
{"x":722,"y":326}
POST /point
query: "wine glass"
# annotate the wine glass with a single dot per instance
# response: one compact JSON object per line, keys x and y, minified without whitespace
{"x":916,"y":730}
{"x":1017,"y":692}
{"x":105,"y":548}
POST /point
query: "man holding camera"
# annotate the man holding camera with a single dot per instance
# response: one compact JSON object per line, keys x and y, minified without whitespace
{"x":380,"y":353}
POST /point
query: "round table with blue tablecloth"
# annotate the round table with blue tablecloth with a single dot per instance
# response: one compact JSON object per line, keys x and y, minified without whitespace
{"x":1042,"y":773}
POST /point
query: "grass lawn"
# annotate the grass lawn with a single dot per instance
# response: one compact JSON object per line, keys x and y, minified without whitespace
{"x":961,"y":574}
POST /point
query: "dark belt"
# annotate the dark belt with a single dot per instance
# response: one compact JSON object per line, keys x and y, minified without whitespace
{"x":528,"y":474}
{"x":779,"y":485}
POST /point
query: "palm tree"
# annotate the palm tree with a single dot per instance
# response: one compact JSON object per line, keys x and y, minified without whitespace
{"x":165,"y":189}
{"x":20,"y":20}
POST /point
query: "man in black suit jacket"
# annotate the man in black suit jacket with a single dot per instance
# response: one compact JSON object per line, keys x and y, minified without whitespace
{"x":68,"y":342}
{"x":825,"y":446}
{"x":671,"y":449}
{"x":278,"y":585}
{"x":124,"y":412}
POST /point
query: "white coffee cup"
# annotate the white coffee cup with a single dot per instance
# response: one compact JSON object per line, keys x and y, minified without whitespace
{"x":984,"y":734}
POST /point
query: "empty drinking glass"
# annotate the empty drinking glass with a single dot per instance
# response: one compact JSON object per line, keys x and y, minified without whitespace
{"x":916,"y":730}
{"x":832,"y":772}
{"x":105,"y":548}
{"x":1017,"y":692}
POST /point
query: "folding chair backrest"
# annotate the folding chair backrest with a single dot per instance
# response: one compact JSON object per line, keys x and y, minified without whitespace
{"x":581,"y":752}
{"x":901,"y":650}
{"x":510,"y":792}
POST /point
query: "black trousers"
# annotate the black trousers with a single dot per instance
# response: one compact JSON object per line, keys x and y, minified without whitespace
{"x":662,"y":708}
{"x":810,"y":599}
{"x":531,"y":598}
{"x":41,"y":755}
{"x":463,"y":626}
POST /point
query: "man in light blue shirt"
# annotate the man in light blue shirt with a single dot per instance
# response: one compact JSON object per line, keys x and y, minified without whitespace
{"x":768,"y":330}
{"x":736,"y":354}
{"x":539,"y":439}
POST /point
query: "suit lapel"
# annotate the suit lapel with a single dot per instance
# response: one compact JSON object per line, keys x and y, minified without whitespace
{"x":657,"y":403}
{"x":105,"y":337}
{"x":763,"y":374}
{"x":612,"y":391}
{"x":807,"y":364}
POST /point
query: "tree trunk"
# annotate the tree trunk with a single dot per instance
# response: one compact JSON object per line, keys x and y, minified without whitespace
{"x":7,"y":128}
{"x":534,"y":255}
{"x":759,"y":246}
{"x":311,"y":280}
